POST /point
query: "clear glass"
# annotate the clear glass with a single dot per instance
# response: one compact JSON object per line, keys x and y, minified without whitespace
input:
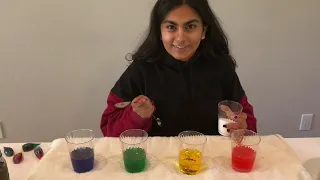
{"x":228,"y":112}
{"x":245,"y":145}
{"x":81,"y":149}
{"x":191,"y":151}
{"x":134,"y":150}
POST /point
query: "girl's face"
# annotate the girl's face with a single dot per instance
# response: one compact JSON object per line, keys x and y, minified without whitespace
{"x":181,"y":32}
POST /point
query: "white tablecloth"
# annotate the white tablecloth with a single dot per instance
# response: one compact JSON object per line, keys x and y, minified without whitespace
{"x":307,"y":150}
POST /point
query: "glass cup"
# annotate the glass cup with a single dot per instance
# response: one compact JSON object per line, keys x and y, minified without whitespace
{"x":245,"y":144}
{"x":81,"y":149}
{"x":134,"y":150}
{"x":228,"y":112}
{"x":191,"y":151}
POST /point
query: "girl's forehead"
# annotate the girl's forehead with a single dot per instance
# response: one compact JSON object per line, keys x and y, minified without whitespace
{"x":182,"y":13}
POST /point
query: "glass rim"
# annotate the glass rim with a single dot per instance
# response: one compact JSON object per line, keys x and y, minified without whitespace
{"x":247,"y":130}
{"x":77,"y":130}
{"x":235,"y":102}
{"x":194,"y":144}
{"x":141,"y":130}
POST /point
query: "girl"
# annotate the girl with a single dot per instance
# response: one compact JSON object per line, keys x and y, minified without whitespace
{"x":179,"y":74}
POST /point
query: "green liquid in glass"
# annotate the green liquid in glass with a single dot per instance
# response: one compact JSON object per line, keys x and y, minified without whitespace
{"x":134,"y":159}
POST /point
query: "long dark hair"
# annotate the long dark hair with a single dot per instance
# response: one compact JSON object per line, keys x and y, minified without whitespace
{"x":214,"y":45}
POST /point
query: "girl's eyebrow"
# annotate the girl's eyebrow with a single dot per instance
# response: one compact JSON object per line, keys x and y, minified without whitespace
{"x":174,"y":23}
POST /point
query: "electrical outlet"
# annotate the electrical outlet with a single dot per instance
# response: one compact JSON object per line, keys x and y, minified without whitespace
{"x":306,"y":121}
{"x":1,"y":133}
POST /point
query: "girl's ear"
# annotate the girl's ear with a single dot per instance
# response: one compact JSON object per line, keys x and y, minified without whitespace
{"x":204,"y":32}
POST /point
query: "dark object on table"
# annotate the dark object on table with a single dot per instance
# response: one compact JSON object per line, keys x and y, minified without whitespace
{"x":18,"y":158}
{"x":4,"y":173}
{"x":8,"y":151}
{"x":38,"y":152}
{"x":29,"y":147}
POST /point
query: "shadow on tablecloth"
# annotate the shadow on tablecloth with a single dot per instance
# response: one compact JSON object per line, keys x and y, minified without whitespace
{"x":313,"y":168}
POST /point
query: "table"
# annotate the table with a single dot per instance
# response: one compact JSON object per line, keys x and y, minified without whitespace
{"x":20,"y":171}
{"x":307,"y":149}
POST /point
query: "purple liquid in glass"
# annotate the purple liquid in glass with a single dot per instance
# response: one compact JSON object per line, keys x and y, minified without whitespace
{"x":82,"y":159}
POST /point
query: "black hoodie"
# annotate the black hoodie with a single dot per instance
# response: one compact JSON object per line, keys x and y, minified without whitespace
{"x":185,"y":94}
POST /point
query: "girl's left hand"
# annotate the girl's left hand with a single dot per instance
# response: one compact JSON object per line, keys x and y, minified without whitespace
{"x":240,"y":122}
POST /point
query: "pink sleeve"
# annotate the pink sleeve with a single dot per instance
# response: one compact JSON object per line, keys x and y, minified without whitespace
{"x":248,"y":109}
{"x":114,"y":121}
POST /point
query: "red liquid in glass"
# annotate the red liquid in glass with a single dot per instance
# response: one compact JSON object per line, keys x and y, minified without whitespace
{"x":243,"y":158}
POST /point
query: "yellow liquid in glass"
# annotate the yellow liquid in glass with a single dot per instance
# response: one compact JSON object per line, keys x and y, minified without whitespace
{"x":190,"y":161}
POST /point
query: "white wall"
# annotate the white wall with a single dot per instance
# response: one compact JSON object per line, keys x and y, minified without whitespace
{"x":59,"y":59}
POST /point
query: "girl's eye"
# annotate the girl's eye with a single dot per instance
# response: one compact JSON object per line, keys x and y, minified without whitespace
{"x":171,"y":27}
{"x":191,"y":26}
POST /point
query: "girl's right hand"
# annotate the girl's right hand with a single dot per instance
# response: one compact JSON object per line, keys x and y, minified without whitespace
{"x":143,"y":106}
